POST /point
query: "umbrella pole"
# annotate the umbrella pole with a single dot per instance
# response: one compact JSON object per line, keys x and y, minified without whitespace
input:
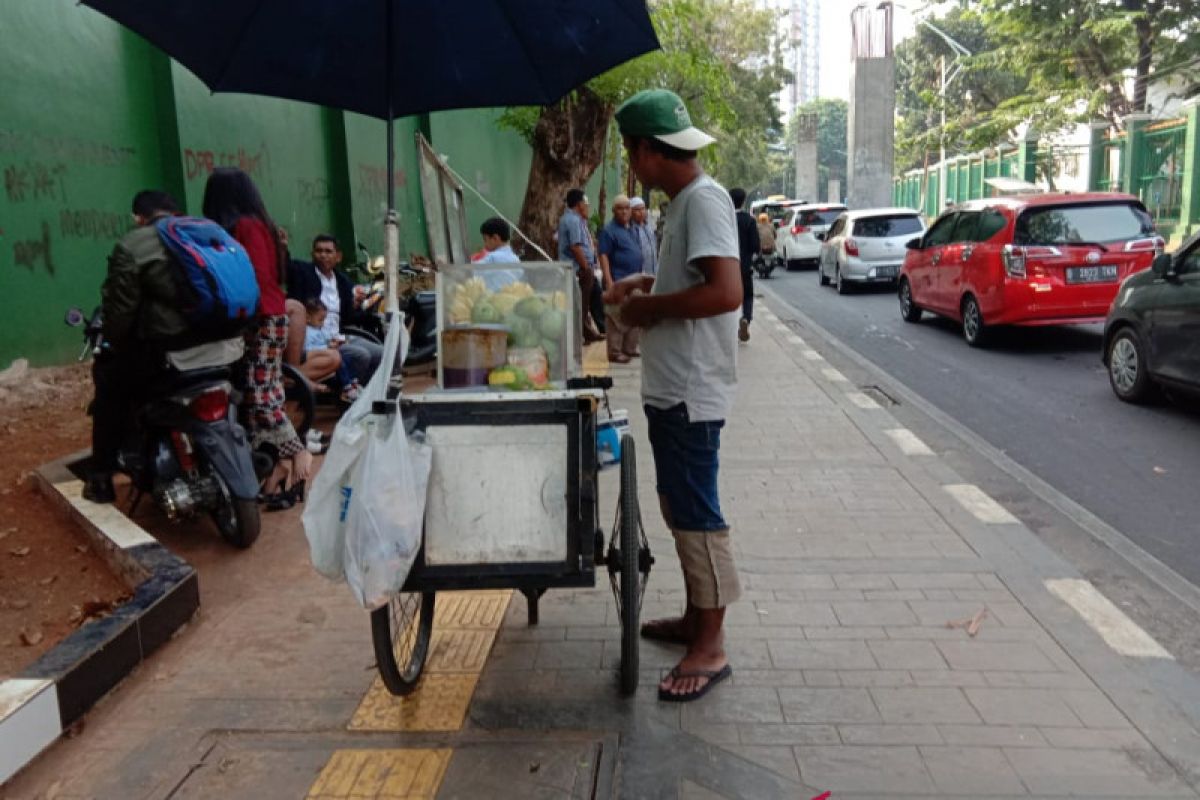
{"x":391,"y":222}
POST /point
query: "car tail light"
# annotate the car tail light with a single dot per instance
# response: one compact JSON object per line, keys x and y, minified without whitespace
{"x":1153,"y":243}
{"x":851,"y":247}
{"x":1014,"y":261}
{"x":799,"y":229}
{"x":1017,"y":259}
{"x":211,"y":406}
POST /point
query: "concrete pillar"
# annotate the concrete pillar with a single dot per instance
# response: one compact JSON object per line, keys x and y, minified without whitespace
{"x":1189,"y":217}
{"x":807,"y":176}
{"x":1135,"y":146}
{"x":833,"y":191}
{"x":871,"y":131}
{"x":1097,"y":155}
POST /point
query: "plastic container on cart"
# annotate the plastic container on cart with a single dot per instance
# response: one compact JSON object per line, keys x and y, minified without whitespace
{"x":609,"y":430}
{"x":536,"y":302}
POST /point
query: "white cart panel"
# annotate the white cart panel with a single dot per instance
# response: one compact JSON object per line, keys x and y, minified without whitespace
{"x":497,"y":494}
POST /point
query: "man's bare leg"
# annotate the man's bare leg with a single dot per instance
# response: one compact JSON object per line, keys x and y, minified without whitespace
{"x":706,"y":653}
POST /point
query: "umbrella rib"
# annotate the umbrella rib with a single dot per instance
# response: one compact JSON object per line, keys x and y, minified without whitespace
{"x":524,"y":48}
{"x":237,"y":44}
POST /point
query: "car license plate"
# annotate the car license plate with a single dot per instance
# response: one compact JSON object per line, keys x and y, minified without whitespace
{"x":885,"y":272}
{"x":1097,"y":274}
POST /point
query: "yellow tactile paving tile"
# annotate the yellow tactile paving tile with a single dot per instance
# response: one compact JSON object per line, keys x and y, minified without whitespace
{"x":475,"y":610}
{"x":439,"y":704}
{"x":452,"y":650}
{"x":381,"y":775}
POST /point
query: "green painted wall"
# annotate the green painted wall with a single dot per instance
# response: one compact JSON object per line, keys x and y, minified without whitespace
{"x":92,"y":113}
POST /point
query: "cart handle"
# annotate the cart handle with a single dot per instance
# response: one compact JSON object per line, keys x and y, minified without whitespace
{"x":590,"y":382}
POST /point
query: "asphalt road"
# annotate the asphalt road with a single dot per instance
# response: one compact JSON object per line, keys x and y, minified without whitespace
{"x":1041,"y":395}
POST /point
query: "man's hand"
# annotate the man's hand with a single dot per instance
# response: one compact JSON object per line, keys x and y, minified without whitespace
{"x":638,"y":310}
{"x":616,"y":294}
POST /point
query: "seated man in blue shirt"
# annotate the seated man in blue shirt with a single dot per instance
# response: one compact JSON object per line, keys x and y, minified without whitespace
{"x":496,"y":236}
{"x":620,"y":257}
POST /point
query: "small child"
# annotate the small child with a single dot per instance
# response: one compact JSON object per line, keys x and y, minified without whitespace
{"x":320,"y":355}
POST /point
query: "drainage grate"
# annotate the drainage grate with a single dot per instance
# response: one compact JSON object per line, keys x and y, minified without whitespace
{"x":879,"y":395}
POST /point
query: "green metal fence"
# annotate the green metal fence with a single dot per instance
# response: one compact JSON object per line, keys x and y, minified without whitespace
{"x":1159,"y":183}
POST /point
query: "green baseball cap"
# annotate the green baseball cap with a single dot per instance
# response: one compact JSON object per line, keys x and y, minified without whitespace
{"x":661,"y":113}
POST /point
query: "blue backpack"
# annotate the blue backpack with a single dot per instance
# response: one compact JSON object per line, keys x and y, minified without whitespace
{"x":216,"y":270}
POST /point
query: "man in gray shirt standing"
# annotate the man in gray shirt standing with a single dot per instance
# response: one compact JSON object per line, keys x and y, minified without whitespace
{"x":689,"y":373}
{"x":575,"y":246}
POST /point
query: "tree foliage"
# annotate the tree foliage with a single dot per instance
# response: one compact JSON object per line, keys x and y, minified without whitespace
{"x":718,"y":55}
{"x":1049,"y":63}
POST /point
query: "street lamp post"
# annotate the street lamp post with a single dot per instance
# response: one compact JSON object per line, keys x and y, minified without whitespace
{"x":960,"y":52}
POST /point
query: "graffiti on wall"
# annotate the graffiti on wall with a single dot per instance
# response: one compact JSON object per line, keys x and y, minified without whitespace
{"x":372,"y":180}
{"x":199,"y":163}
{"x":93,"y":223}
{"x":57,"y":149}
{"x":35,"y":180}
{"x":313,"y":191}
{"x":31,"y":252}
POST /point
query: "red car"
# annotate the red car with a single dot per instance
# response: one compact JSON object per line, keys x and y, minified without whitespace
{"x":1045,"y":259}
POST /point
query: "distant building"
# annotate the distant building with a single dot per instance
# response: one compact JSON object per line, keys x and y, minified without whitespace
{"x":799,"y":22}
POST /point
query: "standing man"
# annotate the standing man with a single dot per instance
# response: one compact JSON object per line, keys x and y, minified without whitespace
{"x":575,"y":246}
{"x":647,"y":239}
{"x":748,"y":248}
{"x":620,"y":257}
{"x":689,"y":373}
{"x":322,"y":280}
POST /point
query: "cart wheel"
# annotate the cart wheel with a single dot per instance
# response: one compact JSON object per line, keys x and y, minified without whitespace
{"x":400,"y":631}
{"x":630,"y":527}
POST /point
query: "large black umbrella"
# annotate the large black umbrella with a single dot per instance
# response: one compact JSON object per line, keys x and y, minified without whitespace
{"x":392,"y":58}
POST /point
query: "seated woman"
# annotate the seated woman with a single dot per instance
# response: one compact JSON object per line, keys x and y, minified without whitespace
{"x":320,"y":358}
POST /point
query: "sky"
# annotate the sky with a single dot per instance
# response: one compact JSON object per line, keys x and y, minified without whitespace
{"x":835,"y":42}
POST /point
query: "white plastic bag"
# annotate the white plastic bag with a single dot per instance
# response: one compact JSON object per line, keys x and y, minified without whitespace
{"x":365,"y":512}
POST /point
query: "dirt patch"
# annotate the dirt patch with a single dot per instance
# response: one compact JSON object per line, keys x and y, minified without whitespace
{"x":50,"y":580}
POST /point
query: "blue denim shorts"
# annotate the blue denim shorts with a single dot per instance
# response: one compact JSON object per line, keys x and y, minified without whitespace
{"x":685,"y":467}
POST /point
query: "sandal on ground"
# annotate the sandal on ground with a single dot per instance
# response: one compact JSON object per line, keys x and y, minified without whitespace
{"x":668,"y":629}
{"x":618,"y":358}
{"x":714,"y":676}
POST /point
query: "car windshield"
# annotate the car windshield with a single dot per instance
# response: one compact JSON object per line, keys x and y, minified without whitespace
{"x":887,"y":226}
{"x":777,"y":213}
{"x":1105,"y":222}
{"x":824,"y":216}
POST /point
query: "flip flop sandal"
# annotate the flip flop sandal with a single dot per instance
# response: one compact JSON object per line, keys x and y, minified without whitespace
{"x":656,"y":631}
{"x":714,"y":676}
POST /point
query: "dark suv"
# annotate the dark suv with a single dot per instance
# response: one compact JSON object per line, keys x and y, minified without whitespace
{"x":1152,"y":335}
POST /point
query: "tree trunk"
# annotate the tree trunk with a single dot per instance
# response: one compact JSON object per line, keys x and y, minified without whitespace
{"x":568,"y":145}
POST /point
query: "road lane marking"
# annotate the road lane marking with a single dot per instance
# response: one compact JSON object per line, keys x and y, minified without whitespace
{"x":862,"y":401}
{"x":832,"y":374}
{"x":908,"y":442}
{"x":975,"y":500}
{"x":383,"y":774}
{"x":1115,"y":628}
{"x":813,"y":355}
{"x":794,"y":339}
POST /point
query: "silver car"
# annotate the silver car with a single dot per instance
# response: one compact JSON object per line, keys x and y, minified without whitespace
{"x":867,"y":246}
{"x":797,"y":239}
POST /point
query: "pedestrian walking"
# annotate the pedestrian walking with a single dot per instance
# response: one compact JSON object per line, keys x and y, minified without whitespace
{"x":689,"y":373}
{"x":620,"y":257}
{"x":647,"y":239}
{"x":749,"y":247}
{"x":575,"y":246}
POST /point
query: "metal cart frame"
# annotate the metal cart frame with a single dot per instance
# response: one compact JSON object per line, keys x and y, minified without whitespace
{"x":401,"y":630}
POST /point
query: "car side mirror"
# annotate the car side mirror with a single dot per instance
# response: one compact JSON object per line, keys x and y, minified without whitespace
{"x":820,"y":237}
{"x":913,"y":244}
{"x":1162,"y":265}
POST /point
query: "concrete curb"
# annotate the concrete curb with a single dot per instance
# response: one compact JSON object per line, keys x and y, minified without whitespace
{"x":57,"y":689}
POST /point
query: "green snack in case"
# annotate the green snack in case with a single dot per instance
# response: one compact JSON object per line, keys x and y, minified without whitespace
{"x":553,"y":350}
{"x":531,"y":307}
{"x":485,"y":313}
{"x":522,"y":333}
{"x":551,"y":323}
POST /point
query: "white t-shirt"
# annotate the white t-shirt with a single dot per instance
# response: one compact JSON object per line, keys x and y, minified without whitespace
{"x":333,"y":304}
{"x":693,"y":361}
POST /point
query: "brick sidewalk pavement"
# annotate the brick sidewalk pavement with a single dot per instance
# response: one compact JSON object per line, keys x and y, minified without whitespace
{"x":856,"y":544}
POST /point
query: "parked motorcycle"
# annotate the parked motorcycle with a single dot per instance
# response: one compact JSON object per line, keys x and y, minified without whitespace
{"x":187,"y":450}
{"x":419,"y":308}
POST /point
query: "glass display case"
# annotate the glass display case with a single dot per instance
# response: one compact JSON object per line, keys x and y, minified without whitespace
{"x":508,"y":327}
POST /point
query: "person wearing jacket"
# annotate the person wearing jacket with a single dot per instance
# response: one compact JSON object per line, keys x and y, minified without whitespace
{"x":323,"y":280}
{"x":232,"y":201}
{"x":140,"y":305}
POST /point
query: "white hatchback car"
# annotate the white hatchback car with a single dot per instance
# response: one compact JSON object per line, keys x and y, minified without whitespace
{"x":796,"y":240}
{"x":867,"y":246}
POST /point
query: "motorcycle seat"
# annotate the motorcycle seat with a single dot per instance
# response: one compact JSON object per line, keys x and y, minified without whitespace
{"x":195,"y":377}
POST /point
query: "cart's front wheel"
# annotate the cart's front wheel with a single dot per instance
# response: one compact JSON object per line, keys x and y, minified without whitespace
{"x":629,"y":531}
{"x":401,"y":631}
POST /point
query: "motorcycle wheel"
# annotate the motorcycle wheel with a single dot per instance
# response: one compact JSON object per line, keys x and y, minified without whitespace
{"x":237,"y":520}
